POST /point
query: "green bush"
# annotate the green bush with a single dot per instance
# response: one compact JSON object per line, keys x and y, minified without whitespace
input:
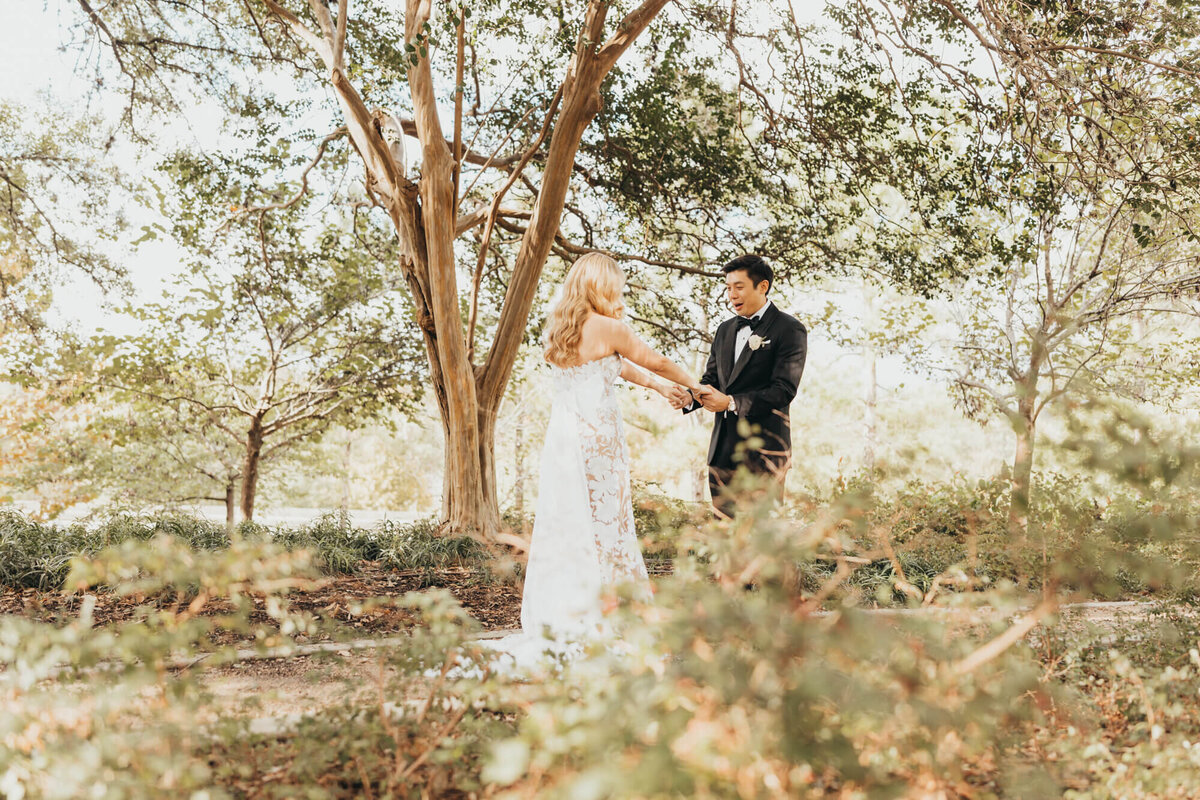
{"x":731,"y":684}
{"x":722,"y":690}
{"x":95,"y":712}
{"x":659,"y":519}
{"x":403,"y":546}
{"x":121,"y":712}
{"x":37,"y":555}
{"x":33,"y":555}
{"x":737,"y":680}
{"x":956,"y":536}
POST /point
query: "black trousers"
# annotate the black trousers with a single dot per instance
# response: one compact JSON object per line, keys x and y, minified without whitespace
{"x":723,"y":501}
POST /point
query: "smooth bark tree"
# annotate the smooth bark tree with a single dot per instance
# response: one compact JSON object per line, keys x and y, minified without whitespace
{"x":425,"y":211}
{"x":1062,"y":327}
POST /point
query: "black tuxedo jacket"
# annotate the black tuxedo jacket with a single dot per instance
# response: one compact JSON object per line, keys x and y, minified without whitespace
{"x":762,"y":383}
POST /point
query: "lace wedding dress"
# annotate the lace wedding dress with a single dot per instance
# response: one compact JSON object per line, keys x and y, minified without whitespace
{"x":583,"y":543}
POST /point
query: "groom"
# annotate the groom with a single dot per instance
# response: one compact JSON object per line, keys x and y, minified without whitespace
{"x":753,"y":370}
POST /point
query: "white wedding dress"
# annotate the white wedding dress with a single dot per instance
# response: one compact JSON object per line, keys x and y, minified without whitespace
{"x":584,"y":544}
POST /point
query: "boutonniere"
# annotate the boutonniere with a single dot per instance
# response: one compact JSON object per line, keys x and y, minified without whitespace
{"x":755,"y":341}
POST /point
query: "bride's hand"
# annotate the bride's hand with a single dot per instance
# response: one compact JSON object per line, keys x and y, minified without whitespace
{"x":677,"y":396}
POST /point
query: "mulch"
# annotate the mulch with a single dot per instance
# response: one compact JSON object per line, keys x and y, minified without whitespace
{"x":495,"y":604}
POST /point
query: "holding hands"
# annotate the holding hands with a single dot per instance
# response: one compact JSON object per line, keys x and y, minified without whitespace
{"x":713,"y":399}
{"x":677,"y":396}
{"x":680,"y":397}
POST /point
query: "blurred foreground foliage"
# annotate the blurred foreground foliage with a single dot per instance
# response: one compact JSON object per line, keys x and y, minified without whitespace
{"x":745,"y":677}
{"x":123,"y":711}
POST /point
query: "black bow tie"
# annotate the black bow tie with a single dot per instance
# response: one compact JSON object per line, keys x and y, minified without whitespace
{"x":748,"y":322}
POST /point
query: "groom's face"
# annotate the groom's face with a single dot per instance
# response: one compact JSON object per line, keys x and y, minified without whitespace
{"x":745,"y":298}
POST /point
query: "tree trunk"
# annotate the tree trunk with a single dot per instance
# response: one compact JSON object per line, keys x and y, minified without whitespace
{"x":254,"y":443}
{"x":346,"y":474}
{"x":469,"y":502}
{"x":1024,"y":423}
{"x":469,"y":507}
{"x":230,"y":508}
{"x":872,"y":410}
{"x":519,"y":458}
{"x":1022,"y":470}
{"x":472,"y":397}
{"x":871,"y":397}
{"x":487,"y":465}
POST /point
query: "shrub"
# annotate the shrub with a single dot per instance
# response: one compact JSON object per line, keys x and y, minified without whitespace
{"x":718,"y":690}
{"x":94,"y":711}
{"x":955,"y":535}
{"x":732,"y":683}
{"x":659,"y":519}
{"x":121,"y":712}
{"x":33,"y":555}
{"x":404,"y":546}
{"x":36,"y":555}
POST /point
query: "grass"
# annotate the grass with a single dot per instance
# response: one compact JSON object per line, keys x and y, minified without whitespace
{"x":38,"y":555}
{"x":401,"y":546}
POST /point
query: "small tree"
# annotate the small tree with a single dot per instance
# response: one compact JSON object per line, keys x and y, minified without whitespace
{"x":1084,"y":149}
{"x":271,"y":356}
{"x":65,"y":451}
{"x":1063,"y":323}
{"x":166,"y":453}
{"x":42,"y":441}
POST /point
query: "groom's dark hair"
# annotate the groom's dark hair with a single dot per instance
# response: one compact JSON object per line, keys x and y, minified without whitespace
{"x":755,"y":268}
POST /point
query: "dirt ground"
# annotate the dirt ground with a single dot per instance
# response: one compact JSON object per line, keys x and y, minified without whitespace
{"x":283,"y":688}
{"x":287,"y":687}
{"x":497,"y":605}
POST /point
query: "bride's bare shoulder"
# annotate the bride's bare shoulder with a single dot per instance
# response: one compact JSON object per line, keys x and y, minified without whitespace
{"x":599,"y":325}
{"x":600,"y":322}
{"x":607,"y":329}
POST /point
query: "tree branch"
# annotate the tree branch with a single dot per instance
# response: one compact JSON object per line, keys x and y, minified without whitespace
{"x":319,"y":45}
{"x":628,"y":30}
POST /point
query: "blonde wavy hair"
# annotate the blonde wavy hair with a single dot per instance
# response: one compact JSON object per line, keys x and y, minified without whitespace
{"x":593,"y":286}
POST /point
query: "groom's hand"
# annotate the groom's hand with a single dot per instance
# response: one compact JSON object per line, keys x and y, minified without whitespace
{"x":713,"y":399}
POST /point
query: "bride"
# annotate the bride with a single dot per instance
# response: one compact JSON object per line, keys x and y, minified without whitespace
{"x":584,"y":543}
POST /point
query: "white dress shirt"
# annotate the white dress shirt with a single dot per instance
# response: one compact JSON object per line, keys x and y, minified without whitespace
{"x":744,"y":333}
